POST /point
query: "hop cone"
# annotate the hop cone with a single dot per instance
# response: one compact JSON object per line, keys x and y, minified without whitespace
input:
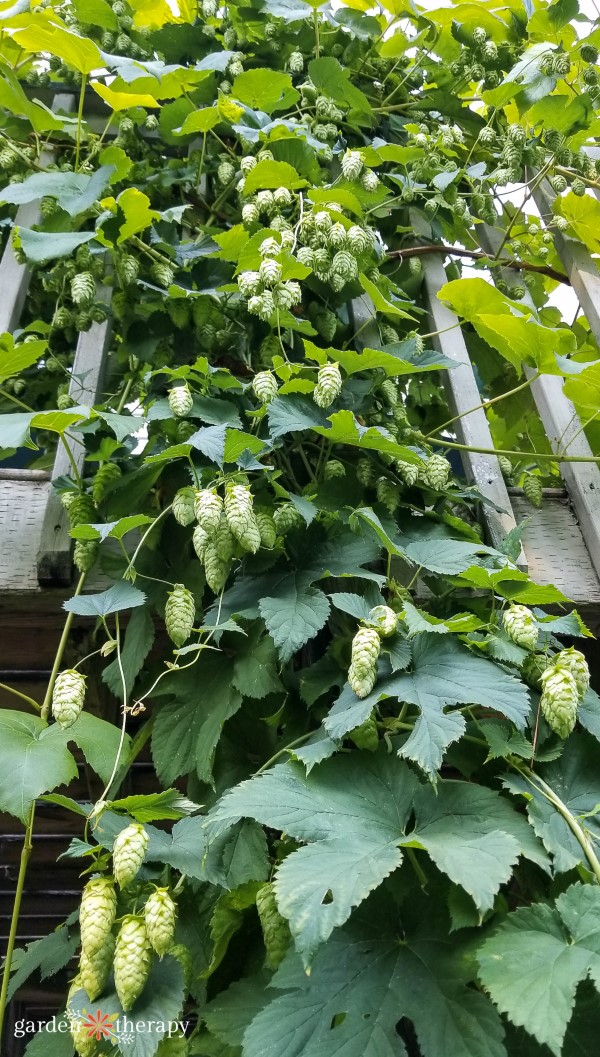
{"x":334,"y":468}
{"x":129,"y":269}
{"x":365,"y":472}
{"x":576,"y":664}
{"x":180,"y":612}
{"x":362,"y":682}
{"x":68,"y":696}
{"x":216,"y":569}
{"x":132,"y":962}
{"x":95,"y":969}
{"x":81,"y":510}
{"x":225,"y":173}
{"x":387,"y":493}
{"x":286,"y":518}
{"x":329,"y":385}
{"x":240,"y":517}
{"x":370,"y":181}
{"x":200,"y":540}
{"x":505,"y":466}
{"x":85,"y":553}
{"x":559,"y":700}
{"x":83,"y":288}
{"x":181,"y":401}
{"x":408,"y":471}
{"x":162,"y":274}
{"x":533,"y":667}
{"x":519,"y":625}
{"x":265,"y":386}
{"x":436,"y":472}
{"x":83,"y":1044}
{"x":208,"y":508}
{"x":266,"y":527}
{"x":97,"y":914}
{"x":103,"y":479}
{"x":224,"y":540}
{"x":388,"y":390}
{"x":184,"y":957}
{"x":276,"y":932}
{"x":384,"y":620}
{"x":159,"y":915}
{"x":129,"y":850}
{"x":352,"y":165}
{"x":532,"y":490}
{"x":183,"y":506}
{"x":366,"y":645}
{"x":365,"y":736}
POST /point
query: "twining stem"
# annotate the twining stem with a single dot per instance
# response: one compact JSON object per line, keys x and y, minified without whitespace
{"x":28,"y":841}
{"x":124,"y":716}
{"x":476,"y":255}
{"x":12,"y":936}
{"x":522,"y":454}
{"x":485,"y":404}
{"x":24,"y":697}
{"x":576,"y":829}
{"x":286,"y":748}
{"x":80,"y":120}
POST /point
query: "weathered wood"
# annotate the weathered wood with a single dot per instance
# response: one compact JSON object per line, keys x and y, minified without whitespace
{"x":54,"y":565}
{"x":472,"y":428}
{"x":559,"y":417}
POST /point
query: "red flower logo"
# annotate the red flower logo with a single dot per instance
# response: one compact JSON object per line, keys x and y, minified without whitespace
{"x":99,"y":1025}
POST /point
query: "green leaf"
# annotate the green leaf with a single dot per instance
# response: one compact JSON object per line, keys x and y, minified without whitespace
{"x":14,"y":429}
{"x":583,"y":215}
{"x":121,"y":595}
{"x":446,"y":556}
{"x":76,"y":51}
{"x":443,"y":673}
{"x":266,"y":90}
{"x":255,"y":666}
{"x":381,"y":304}
{"x":170,"y":803}
{"x":333,"y":80}
{"x":49,"y":955}
{"x":52,"y":1044}
{"x":159,"y":1003}
{"x":97,"y":13}
{"x":99,"y":741}
{"x":187,"y":728}
{"x":112,"y":529}
{"x":268,"y":175}
{"x":200,"y":121}
{"x":291,"y":414}
{"x":48,"y":245}
{"x":32,"y":761}
{"x":74,"y":192}
{"x":375,"y":979}
{"x":532,"y":965}
{"x":294,"y":615}
{"x":17,"y":358}
{"x":135,"y":207}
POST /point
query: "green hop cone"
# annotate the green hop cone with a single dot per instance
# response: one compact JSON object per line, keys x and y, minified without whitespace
{"x":532,"y":669}
{"x":384,"y":620}
{"x":223,"y":540}
{"x":388,"y":391}
{"x":276,"y":932}
{"x":387,"y":493}
{"x":575,"y":663}
{"x":159,"y":914}
{"x":264,"y":386}
{"x":68,"y":696}
{"x":83,"y":288}
{"x":333,"y":468}
{"x":181,"y":401}
{"x":366,"y":736}
{"x":95,"y":969}
{"x":81,"y":509}
{"x":183,"y":506}
{"x":365,"y":472}
{"x":216,"y":569}
{"x":436,"y":472}
{"x":286,"y":518}
{"x":200,"y":540}
{"x":267,"y":529}
{"x":409,"y":471}
{"x":128,"y":270}
{"x":505,"y":466}
{"x":133,"y":957}
{"x":366,"y":645}
{"x":129,"y":850}
{"x":329,"y":385}
{"x":352,"y":165}
{"x":241,"y":520}
{"x":184,"y":957}
{"x":208,"y":508}
{"x":180,"y":611}
{"x":362,"y":682}
{"x":520,"y":626}
{"x":97,"y":913}
{"x":85,"y":553}
{"x":162,"y":274}
{"x":84,"y":1045}
{"x":105,"y":476}
{"x":532,"y":489}
{"x":559,"y":700}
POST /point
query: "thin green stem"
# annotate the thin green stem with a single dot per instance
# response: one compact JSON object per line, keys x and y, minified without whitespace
{"x":23,"y":697}
{"x":485,"y":404}
{"x":286,"y":748}
{"x":14,"y":922}
{"x":522,"y":454}
{"x":80,"y":121}
{"x":576,"y":829}
{"x":124,"y":715}
{"x":14,"y":400}
{"x":60,"y":652}
{"x":71,"y":457}
{"x":137,"y":550}
{"x":316,"y":28}
{"x":125,"y":395}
